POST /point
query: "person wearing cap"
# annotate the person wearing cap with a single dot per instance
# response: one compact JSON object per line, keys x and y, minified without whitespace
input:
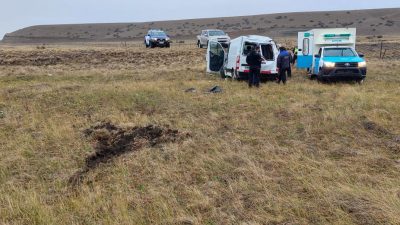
{"x":284,"y":60}
{"x":254,"y":60}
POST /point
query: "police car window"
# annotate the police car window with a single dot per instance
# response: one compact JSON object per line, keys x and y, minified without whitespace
{"x":306,"y":46}
{"x":267,"y":52}
{"x":339,"y":52}
{"x":158,"y":33}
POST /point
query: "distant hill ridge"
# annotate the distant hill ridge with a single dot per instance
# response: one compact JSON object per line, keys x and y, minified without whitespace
{"x":368,"y":22}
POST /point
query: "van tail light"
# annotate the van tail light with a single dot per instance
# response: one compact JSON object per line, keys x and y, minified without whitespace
{"x":237,"y":62}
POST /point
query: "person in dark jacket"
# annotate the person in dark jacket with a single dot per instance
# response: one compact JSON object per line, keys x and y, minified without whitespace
{"x":284,"y":60}
{"x":254,"y":60}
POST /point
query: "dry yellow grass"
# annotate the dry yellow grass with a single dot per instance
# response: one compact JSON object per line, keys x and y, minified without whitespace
{"x":305,"y":153}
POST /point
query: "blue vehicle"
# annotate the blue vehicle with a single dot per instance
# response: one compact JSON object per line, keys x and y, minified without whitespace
{"x":329,"y":54}
{"x":157,"y":38}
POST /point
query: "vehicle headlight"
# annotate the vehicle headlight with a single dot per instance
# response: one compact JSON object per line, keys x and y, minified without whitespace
{"x":167,"y":38}
{"x":154,"y":39}
{"x":329,"y":64}
{"x":362,"y":64}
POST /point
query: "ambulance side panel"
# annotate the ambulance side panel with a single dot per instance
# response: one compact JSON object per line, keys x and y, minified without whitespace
{"x":305,"y":50}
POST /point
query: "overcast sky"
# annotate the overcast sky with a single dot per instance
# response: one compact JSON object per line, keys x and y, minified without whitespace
{"x":17,"y":14}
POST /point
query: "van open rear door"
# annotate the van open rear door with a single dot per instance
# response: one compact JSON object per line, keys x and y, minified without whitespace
{"x":305,"y":50}
{"x":215,"y":57}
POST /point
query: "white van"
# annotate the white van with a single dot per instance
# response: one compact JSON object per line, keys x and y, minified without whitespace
{"x":231,"y":62}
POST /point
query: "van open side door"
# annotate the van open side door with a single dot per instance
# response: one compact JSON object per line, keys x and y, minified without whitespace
{"x":215,"y":57}
{"x":305,"y":50}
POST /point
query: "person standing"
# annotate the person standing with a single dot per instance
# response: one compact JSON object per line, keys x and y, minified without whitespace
{"x":284,"y":60}
{"x":295,"y":51}
{"x":254,"y":60}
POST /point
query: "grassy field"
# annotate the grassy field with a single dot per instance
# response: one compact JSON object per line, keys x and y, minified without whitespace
{"x":304,"y":153}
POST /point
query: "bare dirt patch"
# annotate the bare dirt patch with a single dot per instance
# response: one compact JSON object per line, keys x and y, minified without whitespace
{"x":112,"y":141}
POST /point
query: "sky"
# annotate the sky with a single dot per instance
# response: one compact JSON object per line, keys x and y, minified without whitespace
{"x":17,"y":14}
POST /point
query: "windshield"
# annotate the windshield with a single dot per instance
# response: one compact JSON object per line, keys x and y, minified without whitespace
{"x":158,"y":33}
{"x":216,"y":33}
{"x":339,"y":52}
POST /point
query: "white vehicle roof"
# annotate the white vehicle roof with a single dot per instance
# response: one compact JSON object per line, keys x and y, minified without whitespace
{"x":334,"y":36}
{"x":212,"y":30}
{"x":254,"y":38}
{"x":336,"y":46}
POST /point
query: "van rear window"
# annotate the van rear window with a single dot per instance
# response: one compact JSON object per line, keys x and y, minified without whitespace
{"x":267,"y":52}
{"x":248,"y":46}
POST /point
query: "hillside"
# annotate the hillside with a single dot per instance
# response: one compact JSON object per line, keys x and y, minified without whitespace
{"x":368,"y":22}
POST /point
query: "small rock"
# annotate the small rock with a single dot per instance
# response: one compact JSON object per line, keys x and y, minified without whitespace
{"x":2,"y":115}
{"x":190,"y":90}
{"x":215,"y":89}
{"x":397,"y":139}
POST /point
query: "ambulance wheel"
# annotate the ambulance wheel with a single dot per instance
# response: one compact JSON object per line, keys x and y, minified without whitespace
{"x":318,"y":78}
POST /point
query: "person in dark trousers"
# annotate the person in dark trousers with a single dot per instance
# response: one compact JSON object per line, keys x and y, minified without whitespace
{"x":254,"y":60}
{"x":295,"y":51}
{"x":284,"y":60}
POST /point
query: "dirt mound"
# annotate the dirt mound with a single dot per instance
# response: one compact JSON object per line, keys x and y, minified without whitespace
{"x":111,"y":141}
{"x":92,"y":58}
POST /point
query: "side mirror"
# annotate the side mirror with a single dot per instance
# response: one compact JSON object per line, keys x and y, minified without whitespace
{"x":317,"y":56}
{"x":361,"y":55}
